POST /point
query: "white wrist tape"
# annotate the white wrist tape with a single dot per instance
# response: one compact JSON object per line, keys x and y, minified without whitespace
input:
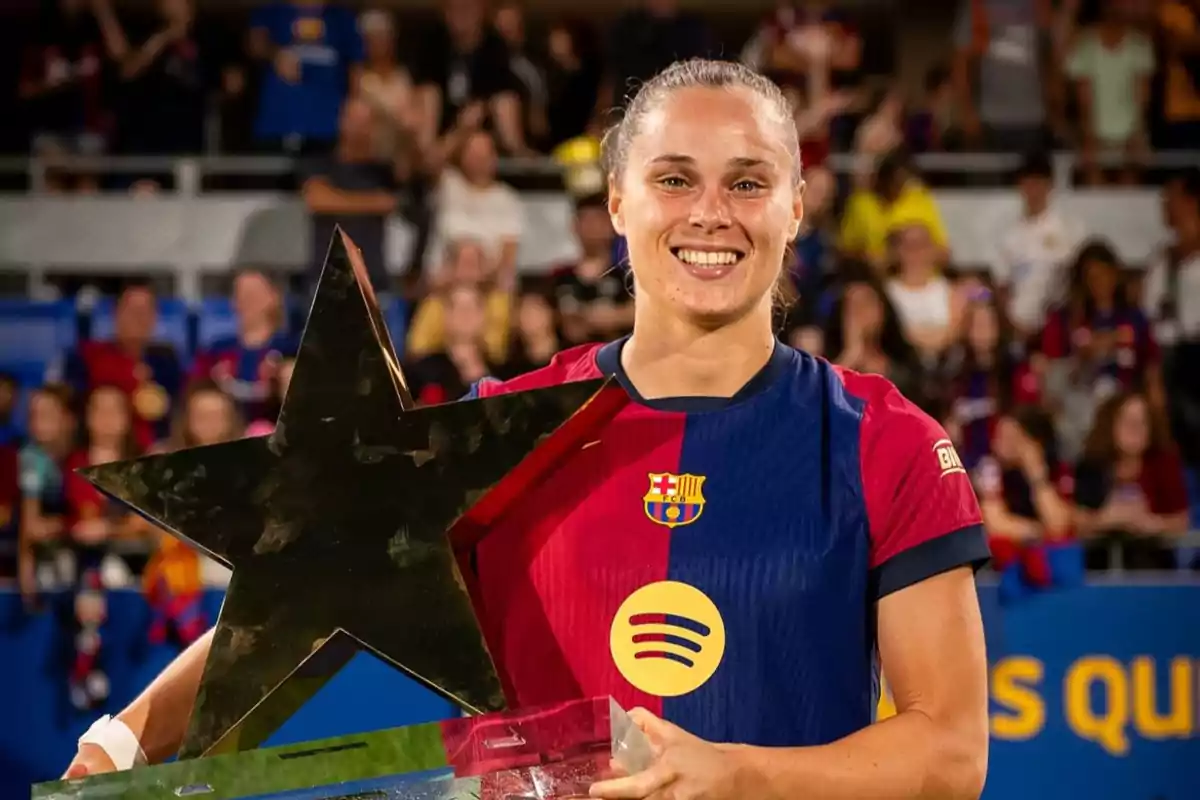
{"x":116,"y":739}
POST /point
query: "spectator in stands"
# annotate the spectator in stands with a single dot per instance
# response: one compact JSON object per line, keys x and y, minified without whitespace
{"x":467,"y":264}
{"x":645,"y":40}
{"x":9,"y":431}
{"x":892,"y":196}
{"x":62,"y":83}
{"x":1111,"y":64}
{"x":311,"y":55}
{"x":929,"y":306}
{"x":1000,"y":72}
{"x":109,"y":435}
{"x":167,"y":81}
{"x":863,"y":333}
{"x":572,"y":81}
{"x":1095,"y":344}
{"x":592,"y":295}
{"x":472,"y":203}
{"x":172,"y":578}
{"x":353,"y":190}
{"x":1032,"y":251}
{"x":1179,"y":27}
{"x":535,"y":338}
{"x":447,"y":373}
{"x":148,"y":372}
{"x":245,"y":366}
{"x":986,"y":375}
{"x":388,"y":87}
{"x":1023,"y":489}
{"x":1171,"y":298}
{"x":43,"y":504}
{"x":508,"y":18}
{"x":1130,"y":496}
{"x":464,"y":67}
{"x":812,"y":256}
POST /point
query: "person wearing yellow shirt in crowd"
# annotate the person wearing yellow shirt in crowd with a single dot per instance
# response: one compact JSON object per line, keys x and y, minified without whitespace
{"x":1179,"y":22}
{"x":466,"y":264}
{"x":895,"y":199}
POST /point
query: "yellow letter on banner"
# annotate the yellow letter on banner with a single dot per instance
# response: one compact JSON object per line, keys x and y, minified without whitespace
{"x":1177,"y":723}
{"x":1108,"y":727}
{"x":1014,"y":682}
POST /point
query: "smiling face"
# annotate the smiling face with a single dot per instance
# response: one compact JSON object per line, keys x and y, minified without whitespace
{"x":706,"y":198}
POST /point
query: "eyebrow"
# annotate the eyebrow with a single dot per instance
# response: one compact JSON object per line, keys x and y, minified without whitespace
{"x":740,"y":162}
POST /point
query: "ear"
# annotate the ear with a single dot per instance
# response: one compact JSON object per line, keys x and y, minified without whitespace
{"x":615,"y":210}
{"x":797,"y":214}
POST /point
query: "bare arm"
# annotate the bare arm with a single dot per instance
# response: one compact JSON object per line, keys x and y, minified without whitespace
{"x":506,"y":111}
{"x":932,"y":648}
{"x":115,"y":42}
{"x":322,"y":198}
{"x":159,"y":716}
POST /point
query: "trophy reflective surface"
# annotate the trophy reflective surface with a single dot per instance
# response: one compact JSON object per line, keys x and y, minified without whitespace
{"x":345,"y":530}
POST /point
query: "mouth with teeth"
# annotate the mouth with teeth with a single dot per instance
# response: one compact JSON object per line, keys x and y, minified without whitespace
{"x":708,"y":264}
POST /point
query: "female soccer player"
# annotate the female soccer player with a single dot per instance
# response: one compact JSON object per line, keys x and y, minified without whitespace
{"x":749,"y":538}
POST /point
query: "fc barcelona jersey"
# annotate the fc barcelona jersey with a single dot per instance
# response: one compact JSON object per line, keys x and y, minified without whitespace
{"x":718,"y":560}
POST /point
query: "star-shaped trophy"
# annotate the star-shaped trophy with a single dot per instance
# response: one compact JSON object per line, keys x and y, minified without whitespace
{"x":340,"y":530}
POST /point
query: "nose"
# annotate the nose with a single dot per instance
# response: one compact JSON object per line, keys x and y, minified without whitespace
{"x":710,"y":211}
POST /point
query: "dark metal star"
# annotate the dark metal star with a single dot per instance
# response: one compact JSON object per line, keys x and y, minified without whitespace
{"x":336,"y":525}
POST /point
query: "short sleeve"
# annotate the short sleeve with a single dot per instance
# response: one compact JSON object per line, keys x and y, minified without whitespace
{"x":511,"y":222}
{"x":31,"y":478}
{"x":1091,"y":486}
{"x":1079,"y":60}
{"x":922,"y":511}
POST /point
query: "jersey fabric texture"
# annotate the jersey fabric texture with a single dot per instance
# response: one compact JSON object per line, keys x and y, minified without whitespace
{"x":717,"y":560}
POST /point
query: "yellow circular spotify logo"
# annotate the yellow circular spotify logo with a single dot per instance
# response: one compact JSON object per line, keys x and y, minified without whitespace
{"x":667,"y":639}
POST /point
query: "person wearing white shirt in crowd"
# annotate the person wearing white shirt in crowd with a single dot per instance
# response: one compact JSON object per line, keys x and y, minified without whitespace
{"x":1033,"y":250}
{"x":473,"y":204}
{"x":928,"y":305}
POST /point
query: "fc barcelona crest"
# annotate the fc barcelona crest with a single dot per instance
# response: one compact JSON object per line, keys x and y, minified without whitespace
{"x":674,"y":499}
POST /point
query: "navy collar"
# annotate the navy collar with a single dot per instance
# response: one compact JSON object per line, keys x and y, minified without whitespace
{"x":608,"y":359}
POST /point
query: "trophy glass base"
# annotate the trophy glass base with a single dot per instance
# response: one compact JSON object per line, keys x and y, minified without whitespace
{"x":534,"y":753}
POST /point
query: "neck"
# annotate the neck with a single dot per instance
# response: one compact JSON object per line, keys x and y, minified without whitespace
{"x":1103,"y":303}
{"x":670,"y":357}
{"x":1034,"y":210}
{"x":105,"y":446}
{"x":257,"y":333}
{"x":1128,"y":465}
{"x":355,"y":151}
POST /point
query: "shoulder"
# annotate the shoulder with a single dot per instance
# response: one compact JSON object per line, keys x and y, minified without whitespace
{"x":894,"y":427}
{"x":575,"y":364}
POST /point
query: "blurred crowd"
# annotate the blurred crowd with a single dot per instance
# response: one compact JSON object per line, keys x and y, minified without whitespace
{"x":1068,"y":380}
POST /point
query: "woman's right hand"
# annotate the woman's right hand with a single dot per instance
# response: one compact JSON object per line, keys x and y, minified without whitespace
{"x":89,"y":760}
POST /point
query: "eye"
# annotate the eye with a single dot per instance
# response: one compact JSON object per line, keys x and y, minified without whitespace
{"x":673,"y":182}
{"x":748,"y":185}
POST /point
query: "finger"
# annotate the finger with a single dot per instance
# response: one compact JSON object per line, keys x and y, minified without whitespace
{"x":633,"y":787}
{"x":76,"y":770}
{"x":656,"y":728}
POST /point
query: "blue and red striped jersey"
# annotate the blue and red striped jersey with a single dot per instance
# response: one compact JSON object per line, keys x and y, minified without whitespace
{"x":718,"y":560}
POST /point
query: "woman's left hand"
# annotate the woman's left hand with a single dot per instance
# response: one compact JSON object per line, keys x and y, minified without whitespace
{"x":685,"y":767}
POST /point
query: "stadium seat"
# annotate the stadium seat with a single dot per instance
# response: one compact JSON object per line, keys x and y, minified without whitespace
{"x":33,"y":334}
{"x":214,"y":320}
{"x":174,"y":323}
